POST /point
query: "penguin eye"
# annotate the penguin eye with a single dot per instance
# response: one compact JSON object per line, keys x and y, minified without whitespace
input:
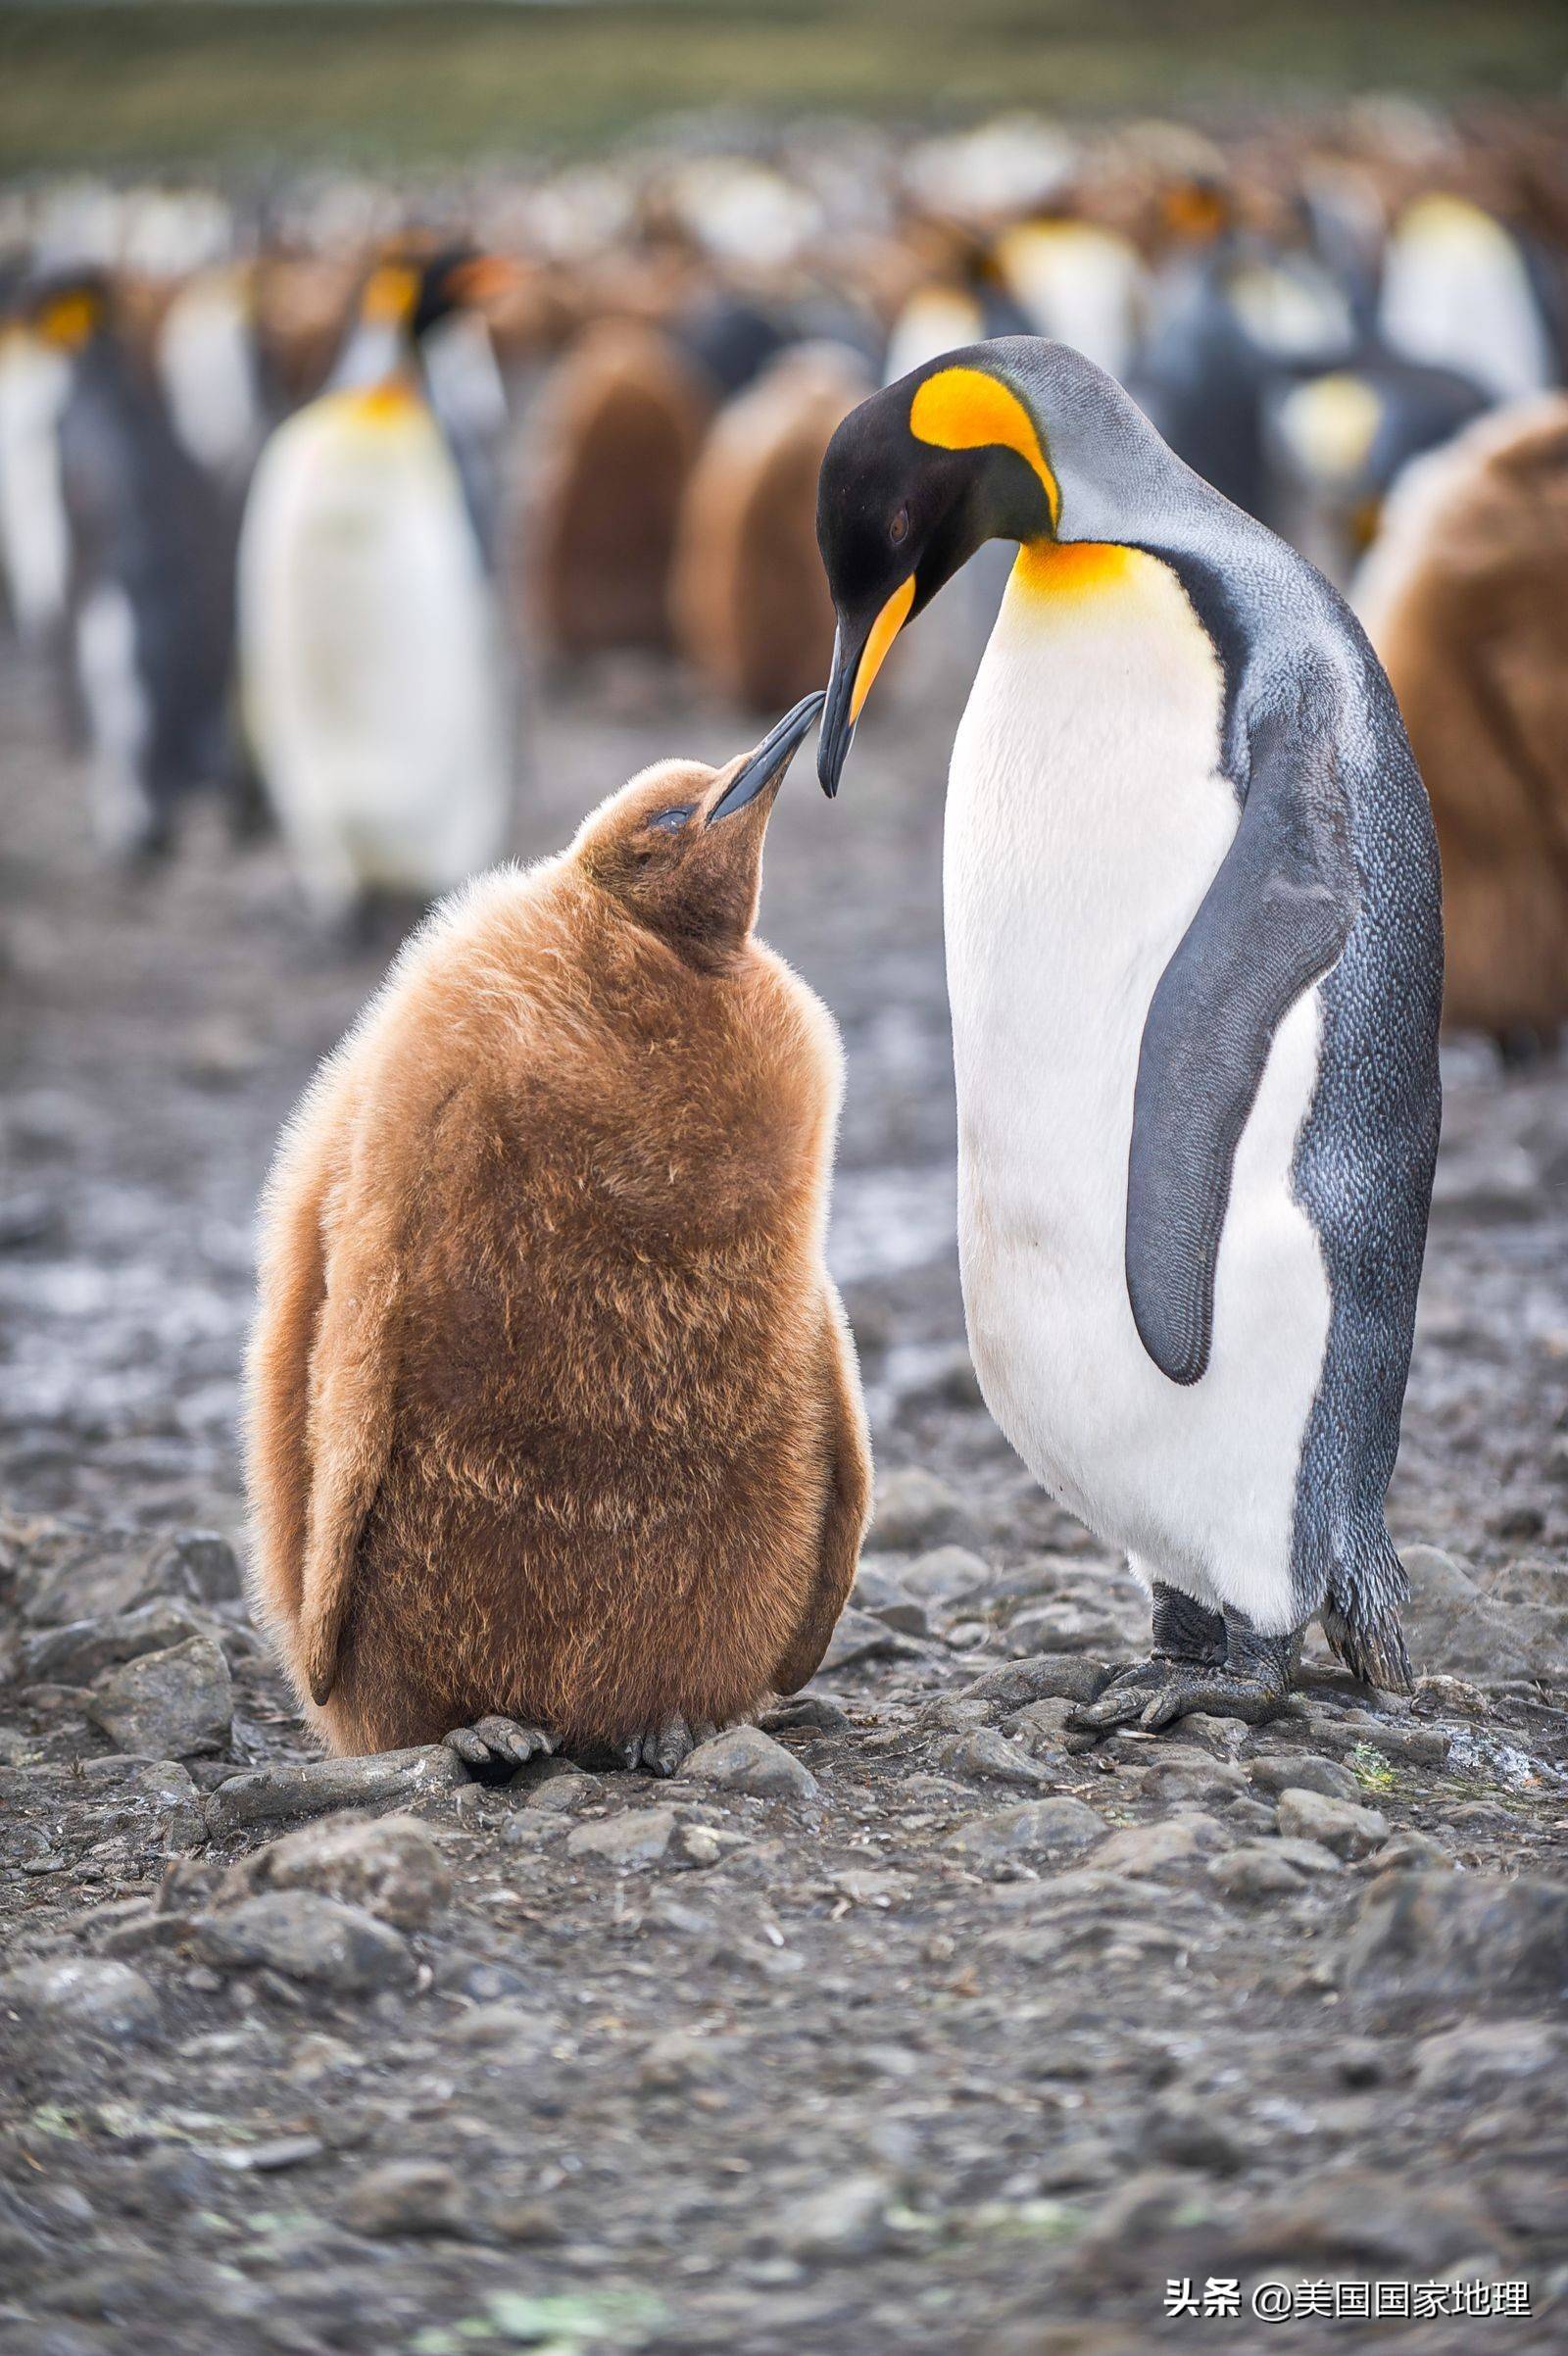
{"x":670,"y":822}
{"x":899,"y":528}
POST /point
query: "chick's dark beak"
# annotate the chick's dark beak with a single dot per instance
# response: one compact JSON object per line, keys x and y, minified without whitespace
{"x":771,"y":759}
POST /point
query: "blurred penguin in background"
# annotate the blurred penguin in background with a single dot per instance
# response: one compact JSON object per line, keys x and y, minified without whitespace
{"x":750,"y":603}
{"x":34,"y":535}
{"x":1078,"y":282}
{"x":618,"y":428}
{"x":1335,"y":443}
{"x":1459,"y":292}
{"x":962,"y":298}
{"x":1229,"y":316}
{"x":209,"y":367}
{"x":374,"y":683}
{"x":150,"y":609}
{"x":457,"y":366}
{"x":1465,"y":598}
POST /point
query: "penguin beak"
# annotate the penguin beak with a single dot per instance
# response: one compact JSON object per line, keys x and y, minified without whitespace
{"x":771,"y":759}
{"x":857,"y":657}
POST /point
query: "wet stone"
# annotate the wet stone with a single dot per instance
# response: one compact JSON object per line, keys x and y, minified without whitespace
{"x":1303,"y":1771}
{"x":637,"y":1837}
{"x":80,"y":1651}
{"x":1187,"y":2131}
{"x":886,"y":1598}
{"x":1341,"y":1825}
{"x":273,"y":1794}
{"x":390,"y":1865}
{"x":1256,"y":1873}
{"x":87,"y":1995}
{"x":1174,"y":1844}
{"x":1492,"y":2057}
{"x":1307,"y":1856}
{"x":916,"y":1509}
{"x":744,"y":1759}
{"x":987,"y":1756}
{"x":198,"y":1563}
{"x":1480,"y":1938}
{"x":168,"y":1704}
{"x":304,"y":1937}
{"x":1051,"y":1676}
{"x":859,"y":1635}
{"x":1037,"y":1828}
{"x":946,"y":1576}
{"x":1066,"y":1626}
{"x":844,"y":2221}
{"x":408,"y":2196}
{"x":1357,"y":2215}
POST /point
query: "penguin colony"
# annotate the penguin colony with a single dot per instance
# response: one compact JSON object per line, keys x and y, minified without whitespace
{"x":266,"y":509}
{"x":556,"y":1434}
{"x":609,"y":447}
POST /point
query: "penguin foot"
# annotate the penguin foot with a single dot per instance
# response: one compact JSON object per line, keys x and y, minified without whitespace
{"x":665,"y":1748}
{"x":1251,"y":1682}
{"x":499,"y":1744}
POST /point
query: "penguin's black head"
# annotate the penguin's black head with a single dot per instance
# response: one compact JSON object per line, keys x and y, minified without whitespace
{"x":914,"y":481}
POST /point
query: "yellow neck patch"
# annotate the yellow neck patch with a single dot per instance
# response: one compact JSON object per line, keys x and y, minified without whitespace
{"x":390,"y":402}
{"x":1074,"y":568}
{"x":964,"y":409}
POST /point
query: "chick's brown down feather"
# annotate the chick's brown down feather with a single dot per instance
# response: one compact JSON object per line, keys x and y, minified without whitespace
{"x":553,"y":1408}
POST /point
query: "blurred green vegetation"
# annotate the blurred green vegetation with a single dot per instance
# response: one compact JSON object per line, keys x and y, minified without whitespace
{"x":146,"y":81}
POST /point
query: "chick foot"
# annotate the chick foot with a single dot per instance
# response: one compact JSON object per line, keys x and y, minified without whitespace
{"x":662,"y":1749}
{"x":498,"y":1746}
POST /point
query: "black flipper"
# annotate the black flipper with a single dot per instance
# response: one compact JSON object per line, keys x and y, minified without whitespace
{"x":1273,"y":922}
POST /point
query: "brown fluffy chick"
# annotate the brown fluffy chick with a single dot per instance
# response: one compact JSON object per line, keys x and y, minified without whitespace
{"x":619,"y":425}
{"x":748,"y":594}
{"x":554,"y":1428}
{"x":1465,"y":596}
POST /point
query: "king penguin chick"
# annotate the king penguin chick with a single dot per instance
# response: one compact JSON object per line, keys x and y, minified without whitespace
{"x":1195,"y":965}
{"x":752,"y":615}
{"x":370,"y":660}
{"x":1465,"y":596}
{"x":619,"y":425}
{"x":555,"y":1425}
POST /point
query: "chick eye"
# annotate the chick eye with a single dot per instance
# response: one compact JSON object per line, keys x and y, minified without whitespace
{"x":670,"y":822}
{"x":899,"y":528}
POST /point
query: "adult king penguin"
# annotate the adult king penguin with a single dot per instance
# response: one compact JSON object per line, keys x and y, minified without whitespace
{"x":1194,"y":960}
{"x":369,"y":643}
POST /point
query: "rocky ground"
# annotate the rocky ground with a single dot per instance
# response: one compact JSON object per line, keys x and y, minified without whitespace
{"x":895,"y":2027}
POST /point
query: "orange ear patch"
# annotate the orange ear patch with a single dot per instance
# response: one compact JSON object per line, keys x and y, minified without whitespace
{"x":70,"y":320}
{"x":964,"y":409}
{"x":390,"y":295}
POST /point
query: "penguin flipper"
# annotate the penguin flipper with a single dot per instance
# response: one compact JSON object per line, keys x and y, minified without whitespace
{"x":1271,"y":923}
{"x":352,"y":1394}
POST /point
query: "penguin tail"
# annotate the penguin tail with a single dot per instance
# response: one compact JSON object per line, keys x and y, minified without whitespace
{"x":1360,"y":1619}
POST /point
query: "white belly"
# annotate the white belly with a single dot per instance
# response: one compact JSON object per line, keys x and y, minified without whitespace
{"x":1086,"y":818}
{"x":371,"y":654}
